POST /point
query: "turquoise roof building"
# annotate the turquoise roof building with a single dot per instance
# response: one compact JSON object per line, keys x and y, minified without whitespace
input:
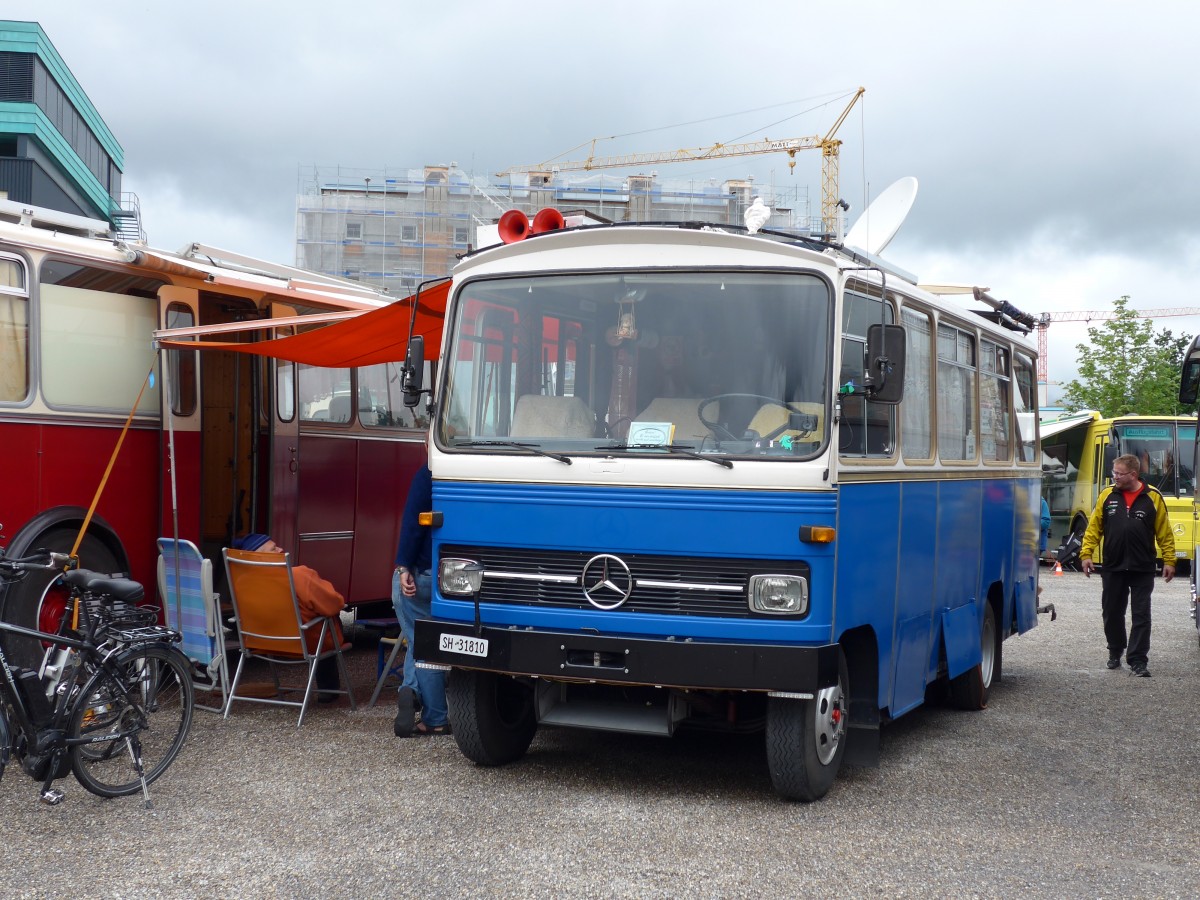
{"x":55,"y":150}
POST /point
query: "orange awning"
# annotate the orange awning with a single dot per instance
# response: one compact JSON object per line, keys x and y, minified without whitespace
{"x":377,"y":336}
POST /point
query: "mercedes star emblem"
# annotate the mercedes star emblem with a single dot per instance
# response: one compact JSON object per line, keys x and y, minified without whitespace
{"x":606,"y":581}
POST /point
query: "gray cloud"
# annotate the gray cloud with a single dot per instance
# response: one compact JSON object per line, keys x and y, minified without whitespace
{"x":1071,"y":123}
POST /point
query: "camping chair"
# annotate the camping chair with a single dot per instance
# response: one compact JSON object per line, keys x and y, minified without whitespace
{"x":186,"y":587}
{"x":385,"y":670}
{"x":270,"y":627}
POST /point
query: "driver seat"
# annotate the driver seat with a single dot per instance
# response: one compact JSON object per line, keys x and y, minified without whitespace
{"x":771,"y":416}
{"x":683,"y":414}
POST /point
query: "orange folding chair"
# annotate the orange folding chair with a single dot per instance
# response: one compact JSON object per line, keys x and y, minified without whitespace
{"x":271,"y":628}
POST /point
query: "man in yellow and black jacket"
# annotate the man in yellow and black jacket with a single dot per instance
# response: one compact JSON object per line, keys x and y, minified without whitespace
{"x":1129,"y":517}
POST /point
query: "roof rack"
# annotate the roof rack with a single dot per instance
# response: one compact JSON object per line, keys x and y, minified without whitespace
{"x":228,"y":259}
{"x":1005,"y":313}
{"x":29,"y":216}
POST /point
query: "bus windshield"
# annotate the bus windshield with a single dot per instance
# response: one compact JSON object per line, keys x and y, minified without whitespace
{"x":1157,"y":445}
{"x":719,"y":362}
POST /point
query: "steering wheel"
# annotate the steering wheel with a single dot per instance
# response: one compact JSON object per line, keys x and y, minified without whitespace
{"x":720,"y":430}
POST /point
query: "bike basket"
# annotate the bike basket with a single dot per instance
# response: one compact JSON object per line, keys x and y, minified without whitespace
{"x":109,"y":616}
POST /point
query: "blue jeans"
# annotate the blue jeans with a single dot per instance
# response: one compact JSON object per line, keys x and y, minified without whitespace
{"x":429,"y":685}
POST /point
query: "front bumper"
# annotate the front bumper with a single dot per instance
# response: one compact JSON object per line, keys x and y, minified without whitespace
{"x":635,"y":660}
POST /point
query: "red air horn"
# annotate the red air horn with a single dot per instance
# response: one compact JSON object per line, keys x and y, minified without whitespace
{"x":513,"y":226}
{"x":548,"y":219}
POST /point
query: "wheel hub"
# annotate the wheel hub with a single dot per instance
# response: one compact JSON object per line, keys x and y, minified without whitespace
{"x":829,"y":721}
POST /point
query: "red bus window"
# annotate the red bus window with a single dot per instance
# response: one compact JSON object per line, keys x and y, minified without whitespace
{"x":285,"y":390}
{"x":94,"y":335}
{"x":181,"y":364}
{"x":14,"y":331}
{"x":381,"y":402}
{"x":324,"y":395}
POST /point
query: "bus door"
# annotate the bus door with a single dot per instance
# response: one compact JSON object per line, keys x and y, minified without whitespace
{"x":228,"y":425}
{"x":284,"y":450}
{"x":180,"y":450}
{"x":1101,"y":463}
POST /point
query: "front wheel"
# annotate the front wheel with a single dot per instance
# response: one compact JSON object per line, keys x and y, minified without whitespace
{"x":144,"y":709}
{"x":491,"y":716}
{"x":806,"y":740}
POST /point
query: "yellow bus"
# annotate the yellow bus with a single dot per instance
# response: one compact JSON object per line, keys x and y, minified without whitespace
{"x":1078,"y":450}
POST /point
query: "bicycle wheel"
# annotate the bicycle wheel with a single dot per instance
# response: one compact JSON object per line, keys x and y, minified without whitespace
{"x":149,"y":710}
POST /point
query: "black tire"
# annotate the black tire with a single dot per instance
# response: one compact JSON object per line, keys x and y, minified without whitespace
{"x":158,"y":695}
{"x":970,"y":689}
{"x":31,"y":601}
{"x":806,"y":740}
{"x":491,"y":716}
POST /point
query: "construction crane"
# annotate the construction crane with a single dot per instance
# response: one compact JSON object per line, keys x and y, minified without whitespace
{"x":1093,"y":315}
{"x":828,"y":145}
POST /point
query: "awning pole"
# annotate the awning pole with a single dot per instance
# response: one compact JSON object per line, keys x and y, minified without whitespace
{"x":168,"y":409}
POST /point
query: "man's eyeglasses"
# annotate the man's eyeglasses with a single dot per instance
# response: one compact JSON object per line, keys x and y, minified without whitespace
{"x":1116,"y":474}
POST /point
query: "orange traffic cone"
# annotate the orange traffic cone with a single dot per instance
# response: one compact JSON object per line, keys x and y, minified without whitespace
{"x":1057,"y":569}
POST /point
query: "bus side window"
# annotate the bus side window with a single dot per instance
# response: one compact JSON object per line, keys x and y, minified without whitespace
{"x":14,"y":331}
{"x":1025,"y":407}
{"x":956,"y":393}
{"x":181,"y":364}
{"x":865,"y":429}
{"x":381,"y":400}
{"x":916,"y":412}
{"x":995,"y":391}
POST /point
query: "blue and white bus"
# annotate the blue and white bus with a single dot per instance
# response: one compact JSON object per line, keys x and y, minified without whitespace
{"x":691,"y":477}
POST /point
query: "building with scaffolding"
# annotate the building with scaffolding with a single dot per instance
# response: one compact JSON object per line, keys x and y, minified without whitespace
{"x":394,"y":229}
{"x":56,"y":151}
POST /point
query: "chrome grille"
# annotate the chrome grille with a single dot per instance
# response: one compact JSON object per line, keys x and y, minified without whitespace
{"x":678,"y":585}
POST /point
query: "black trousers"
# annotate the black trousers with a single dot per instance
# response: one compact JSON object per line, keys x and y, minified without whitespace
{"x":1122,"y":590}
{"x":328,"y":678}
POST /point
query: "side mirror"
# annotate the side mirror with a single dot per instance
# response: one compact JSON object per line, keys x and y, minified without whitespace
{"x":413,"y":374}
{"x":1189,"y":381}
{"x":886,"y":352}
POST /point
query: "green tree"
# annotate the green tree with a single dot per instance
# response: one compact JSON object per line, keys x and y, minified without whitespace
{"x":1127,"y":368}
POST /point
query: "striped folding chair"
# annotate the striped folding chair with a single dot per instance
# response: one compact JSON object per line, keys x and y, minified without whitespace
{"x":186,"y":587}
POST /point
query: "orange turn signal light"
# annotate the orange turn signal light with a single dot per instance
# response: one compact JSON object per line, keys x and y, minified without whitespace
{"x":430,"y":519}
{"x":817,"y":534}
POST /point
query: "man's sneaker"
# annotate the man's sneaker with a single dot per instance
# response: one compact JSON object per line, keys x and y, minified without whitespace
{"x":405,"y":712}
{"x":1114,"y":662}
{"x":1139,"y":670}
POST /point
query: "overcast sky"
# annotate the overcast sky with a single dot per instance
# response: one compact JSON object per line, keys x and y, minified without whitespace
{"x":1054,"y":142}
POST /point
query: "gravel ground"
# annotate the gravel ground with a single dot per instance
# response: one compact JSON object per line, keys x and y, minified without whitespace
{"x":1075,"y":782}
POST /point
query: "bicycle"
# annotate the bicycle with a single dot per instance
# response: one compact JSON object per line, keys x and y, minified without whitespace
{"x":112,"y":700}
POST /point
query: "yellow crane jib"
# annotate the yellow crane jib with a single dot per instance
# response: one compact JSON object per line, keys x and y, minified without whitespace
{"x":828,"y":145}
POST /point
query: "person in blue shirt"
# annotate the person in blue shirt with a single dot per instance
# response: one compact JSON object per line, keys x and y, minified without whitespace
{"x":1045,"y":533}
{"x":412,"y":594}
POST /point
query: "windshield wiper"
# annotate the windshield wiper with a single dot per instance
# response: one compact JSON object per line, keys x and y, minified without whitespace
{"x":674,"y":448}
{"x":532,"y":448}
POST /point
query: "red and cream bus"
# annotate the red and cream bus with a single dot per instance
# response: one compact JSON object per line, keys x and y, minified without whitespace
{"x":318,"y":457}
